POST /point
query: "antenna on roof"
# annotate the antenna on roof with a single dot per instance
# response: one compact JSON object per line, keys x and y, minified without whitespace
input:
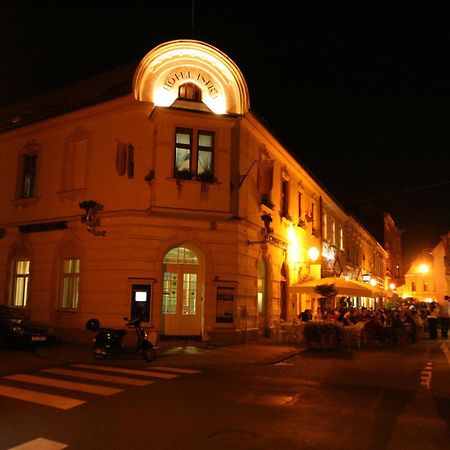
{"x":192,"y":16}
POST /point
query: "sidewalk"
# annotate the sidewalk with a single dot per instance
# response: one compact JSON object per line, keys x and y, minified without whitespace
{"x":180,"y":353}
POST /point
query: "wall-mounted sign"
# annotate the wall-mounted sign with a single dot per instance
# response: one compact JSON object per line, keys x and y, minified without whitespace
{"x":183,"y":75}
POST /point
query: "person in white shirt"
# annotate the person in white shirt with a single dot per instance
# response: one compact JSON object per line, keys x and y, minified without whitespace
{"x":444,"y":314}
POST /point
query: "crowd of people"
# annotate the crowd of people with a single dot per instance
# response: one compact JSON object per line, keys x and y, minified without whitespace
{"x":417,"y":318}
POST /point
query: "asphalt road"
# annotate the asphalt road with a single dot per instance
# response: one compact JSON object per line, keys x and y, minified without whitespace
{"x":250,"y":396}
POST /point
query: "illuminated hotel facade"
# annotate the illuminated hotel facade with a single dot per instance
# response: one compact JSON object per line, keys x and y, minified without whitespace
{"x":171,"y":199}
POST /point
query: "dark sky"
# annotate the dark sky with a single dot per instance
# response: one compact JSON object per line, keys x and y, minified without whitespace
{"x":361,"y":95}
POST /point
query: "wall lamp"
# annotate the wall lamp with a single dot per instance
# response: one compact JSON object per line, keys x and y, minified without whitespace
{"x":89,"y":219}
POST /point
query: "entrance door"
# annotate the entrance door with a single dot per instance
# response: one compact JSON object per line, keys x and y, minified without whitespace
{"x":262,"y":298}
{"x":181,"y":305}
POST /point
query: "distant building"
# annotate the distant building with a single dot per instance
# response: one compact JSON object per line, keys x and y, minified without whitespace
{"x":428,"y":277}
{"x":393,"y":246}
{"x":168,"y":197}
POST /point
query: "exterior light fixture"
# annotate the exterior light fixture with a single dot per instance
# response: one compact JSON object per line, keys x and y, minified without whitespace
{"x":89,"y":219}
{"x":366,"y":277}
{"x":313,"y":254}
{"x":373,"y":282}
{"x":392,"y":286}
{"x":423,"y":268}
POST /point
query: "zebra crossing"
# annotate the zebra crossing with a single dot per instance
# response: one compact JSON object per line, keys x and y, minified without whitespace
{"x":73,"y":378}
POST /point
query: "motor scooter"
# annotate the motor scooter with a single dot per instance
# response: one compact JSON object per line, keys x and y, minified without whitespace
{"x":108,"y":342}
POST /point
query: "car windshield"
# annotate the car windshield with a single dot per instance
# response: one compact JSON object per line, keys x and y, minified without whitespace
{"x":11,"y":313}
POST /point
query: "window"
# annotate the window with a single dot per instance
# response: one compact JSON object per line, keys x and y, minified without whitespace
{"x":170,"y":288}
{"x":205,"y":153}
{"x":189,"y":293}
{"x":183,"y":151}
{"x":180,"y":255}
{"x":324,"y":225}
{"x":426,"y":286}
{"x":194,"y":160}
{"x":21,"y":280}
{"x":333,"y":232}
{"x":28,"y":181}
{"x":70,"y":283}
{"x":285,"y":198}
{"x":413,"y":286}
{"x":299,"y":206}
{"x":341,"y":238}
{"x":189,"y":91}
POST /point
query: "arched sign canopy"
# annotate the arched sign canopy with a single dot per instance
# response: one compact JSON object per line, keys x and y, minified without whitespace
{"x":170,"y":65}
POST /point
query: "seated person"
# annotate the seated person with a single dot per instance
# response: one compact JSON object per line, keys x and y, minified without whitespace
{"x":306,"y":315}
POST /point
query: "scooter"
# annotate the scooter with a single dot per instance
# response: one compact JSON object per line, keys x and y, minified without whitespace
{"x":108,"y":341}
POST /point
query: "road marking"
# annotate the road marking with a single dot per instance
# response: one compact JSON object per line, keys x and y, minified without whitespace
{"x":99,"y":377}
{"x":40,"y":444}
{"x":81,"y":387}
{"x":55,"y":401}
{"x":142,"y":373}
{"x":425,"y":375}
{"x":175,"y":369}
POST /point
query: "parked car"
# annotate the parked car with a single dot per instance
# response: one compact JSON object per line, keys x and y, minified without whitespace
{"x":17,"y":328}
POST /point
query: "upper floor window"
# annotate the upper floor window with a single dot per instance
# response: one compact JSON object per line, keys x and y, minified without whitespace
{"x":284,"y":198}
{"x":324,"y":225}
{"x":189,"y":91}
{"x":299,"y":205}
{"x":194,"y":160}
{"x":28,"y":175}
{"x":70,"y":283}
{"x":341,"y":238}
{"x":20,"y":283}
{"x":413,"y":286}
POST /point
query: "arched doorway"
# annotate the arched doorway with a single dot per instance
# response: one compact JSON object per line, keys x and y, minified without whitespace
{"x":262,"y":297}
{"x":181,"y":302}
{"x":283,"y":292}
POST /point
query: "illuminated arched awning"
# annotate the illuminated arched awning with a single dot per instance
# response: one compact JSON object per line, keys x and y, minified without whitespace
{"x":169,"y":65}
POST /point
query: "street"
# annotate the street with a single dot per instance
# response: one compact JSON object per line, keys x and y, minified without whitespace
{"x":248,"y":396}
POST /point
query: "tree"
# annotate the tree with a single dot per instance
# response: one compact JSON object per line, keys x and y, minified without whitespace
{"x":326,"y":292}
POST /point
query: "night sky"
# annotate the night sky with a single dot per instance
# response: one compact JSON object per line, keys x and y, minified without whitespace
{"x":360,"y":95}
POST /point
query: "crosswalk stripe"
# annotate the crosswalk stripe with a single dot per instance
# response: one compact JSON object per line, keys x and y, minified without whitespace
{"x":40,"y":444}
{"x":98,"y":377}
{"x":142,"y":373}
{"x":175,"y":369}
{"x":81,"y":387}
{"x":55,"y":401}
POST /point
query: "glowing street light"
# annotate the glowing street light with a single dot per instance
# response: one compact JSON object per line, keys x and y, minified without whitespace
{"x":313,"y":254}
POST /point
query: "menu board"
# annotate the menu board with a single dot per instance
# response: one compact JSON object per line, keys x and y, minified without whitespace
{"x":225,"y":304}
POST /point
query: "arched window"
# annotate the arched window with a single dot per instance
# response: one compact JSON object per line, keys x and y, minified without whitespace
{"x":180,"y":255}
{"x":190,"y":91}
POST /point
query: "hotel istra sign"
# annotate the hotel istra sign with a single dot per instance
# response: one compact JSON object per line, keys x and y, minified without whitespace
{"x":168,"y":66}
{"x":185,"y":75}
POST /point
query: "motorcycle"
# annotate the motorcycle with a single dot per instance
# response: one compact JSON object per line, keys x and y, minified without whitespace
{"x":109,"y":342}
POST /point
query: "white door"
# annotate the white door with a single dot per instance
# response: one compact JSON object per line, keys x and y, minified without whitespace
{"x":181,"y":303}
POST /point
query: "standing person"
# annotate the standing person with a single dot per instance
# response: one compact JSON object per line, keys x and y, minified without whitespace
{"x":432,"y":319}
{"x":444,"y":314}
